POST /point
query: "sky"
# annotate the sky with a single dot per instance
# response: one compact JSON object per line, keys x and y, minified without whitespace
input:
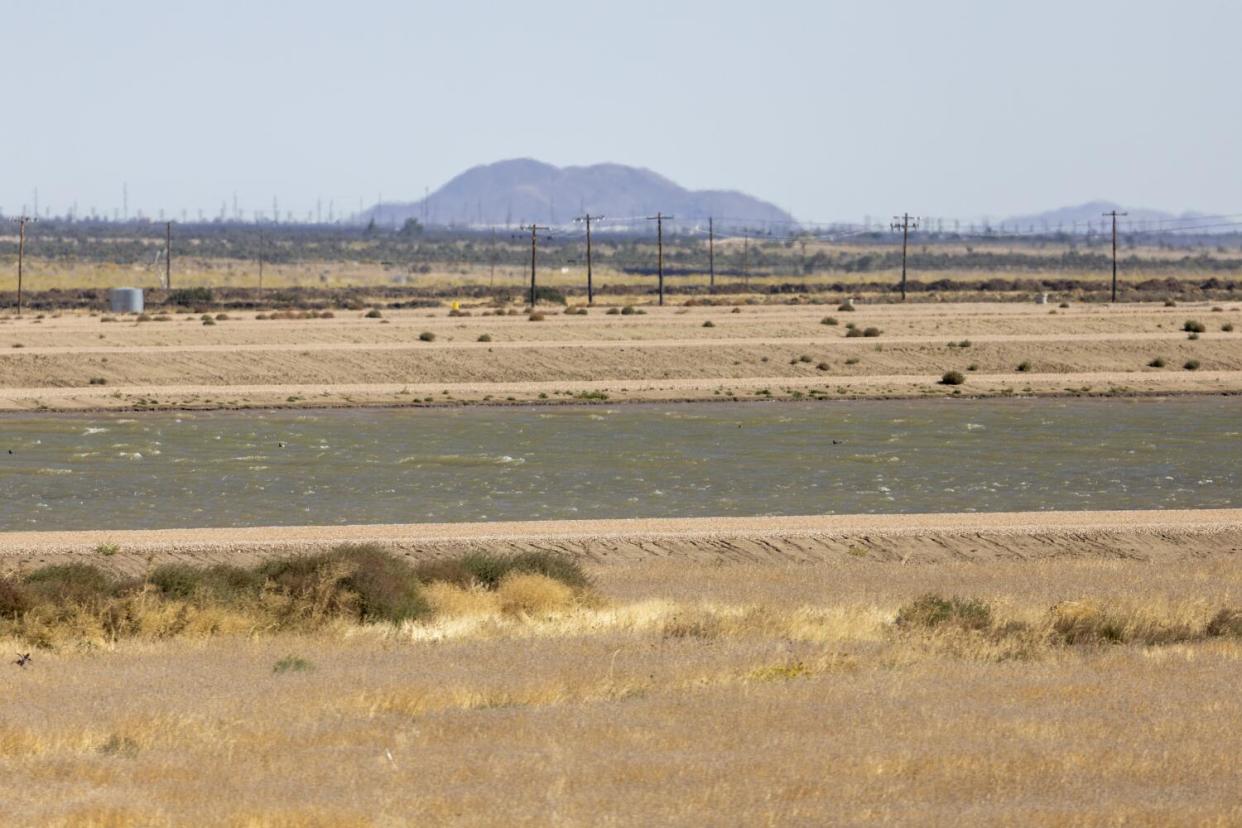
{"x":831,"y":110}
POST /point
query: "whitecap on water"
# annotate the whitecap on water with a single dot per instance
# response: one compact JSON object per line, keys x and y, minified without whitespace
{"x":94,"y":430}
{"x":461,"y":460}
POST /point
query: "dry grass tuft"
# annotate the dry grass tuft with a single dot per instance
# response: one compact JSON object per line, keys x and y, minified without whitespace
{"x":531,"y":594}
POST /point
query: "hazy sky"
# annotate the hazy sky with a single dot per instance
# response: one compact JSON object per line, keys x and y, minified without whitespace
{"x":832,"y":110}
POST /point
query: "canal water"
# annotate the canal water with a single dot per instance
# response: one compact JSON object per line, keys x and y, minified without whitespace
{"x":414,"y":465}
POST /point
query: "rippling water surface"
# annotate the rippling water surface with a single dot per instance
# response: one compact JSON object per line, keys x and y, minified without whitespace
{"x":377,"y":466}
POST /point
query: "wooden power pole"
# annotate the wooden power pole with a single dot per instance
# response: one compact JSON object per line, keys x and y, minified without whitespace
{"x":168,"y":256}
{"x":21,"y":222}
{"x":586,"y":219}
{"x":905,"y":224}
{"x":711,"y":252}
{"x":1114,"y":214}
{"x":534,"y":252}
{"x":659,"y":218}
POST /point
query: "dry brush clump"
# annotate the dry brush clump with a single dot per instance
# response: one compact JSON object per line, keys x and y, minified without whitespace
{"x":1067,"y":624}
{"x":360,"y":584}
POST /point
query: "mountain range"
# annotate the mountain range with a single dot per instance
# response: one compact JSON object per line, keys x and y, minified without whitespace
{"x":525,"y":191}
{"x":1093,"y":213}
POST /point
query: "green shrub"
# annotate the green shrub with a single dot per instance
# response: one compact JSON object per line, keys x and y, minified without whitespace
{"x":364,"y":581}
{"x":292,"y":664}
{"x":373,"y":313}
{"x":487,"y":569}
{"x":386,"y":586}
{"x":953,"y":378}
{"x":829,"y":320}
{"x":1193,"y":326}
{"x":549,"y":294}
{"x":933,"y":612}
{"x":426,"y":336}
{"x":1226,"y":622}
{"x":15,"y":599}
{"x":191,"y":297}
{"x":853,"y":332}
{"x":485,"y":338}
{"x":871,"y":332}
{"x":75,"y":583}
{"x":628,"y":310}
{"x":230,"y":584}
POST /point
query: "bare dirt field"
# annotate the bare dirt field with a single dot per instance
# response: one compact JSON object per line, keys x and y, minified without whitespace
{"x":74,"y":362}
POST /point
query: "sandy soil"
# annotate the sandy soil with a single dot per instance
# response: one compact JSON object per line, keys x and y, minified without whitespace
{"x":900,"y":539}
{"x":75,"y":362}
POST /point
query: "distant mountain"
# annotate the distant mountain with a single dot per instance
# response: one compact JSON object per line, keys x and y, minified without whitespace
{"x":1093,"y":212}
{"x":522,"y":191}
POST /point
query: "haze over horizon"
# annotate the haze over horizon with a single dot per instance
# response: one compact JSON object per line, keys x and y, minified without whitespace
{"x":831,"y":111}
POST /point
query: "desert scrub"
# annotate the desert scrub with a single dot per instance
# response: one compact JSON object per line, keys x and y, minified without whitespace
{"x":829,"y":320}
{"x":931,"y":612}
{"x":953,"y":378}
{"x":1158,"y":362}
{"x":871,"y":332}
{"x":292,"y":664}
{"x":484,"y":338}
{"x":536,"y":317}
{"x":373,"y":313}
{"x":426,"y":336}
{"x":486,"y":570}
{"x":709,"y":324}
{"x":1193,"y":326}
{"x":1191,"y":365}
{"x":1024,"y":366}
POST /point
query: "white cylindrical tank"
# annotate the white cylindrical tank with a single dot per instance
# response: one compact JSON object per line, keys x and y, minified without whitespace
{"x":126,"y":300}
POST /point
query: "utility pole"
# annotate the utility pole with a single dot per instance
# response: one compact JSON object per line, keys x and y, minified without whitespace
{"x":711,"y":252}
{"x":587,"y":218}
{"x":659,"y":218}
{"x":21,"y":222}
{"x":491,"y":261}
{"x":168,"y":256}
{"x":534,"y":248}
{"x":905,"y":224}
{"x":260,"y":261}
{"x":1114,"y":214}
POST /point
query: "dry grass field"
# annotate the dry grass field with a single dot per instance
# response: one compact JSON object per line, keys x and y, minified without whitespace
{"x":1053,"y":692}
{"x":407,"y":357}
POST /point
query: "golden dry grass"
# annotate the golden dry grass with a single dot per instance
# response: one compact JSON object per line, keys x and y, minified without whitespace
{"x":692,"y":694}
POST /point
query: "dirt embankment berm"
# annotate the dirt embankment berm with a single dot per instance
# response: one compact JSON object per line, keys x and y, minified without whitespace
{"x":845,"y":540}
